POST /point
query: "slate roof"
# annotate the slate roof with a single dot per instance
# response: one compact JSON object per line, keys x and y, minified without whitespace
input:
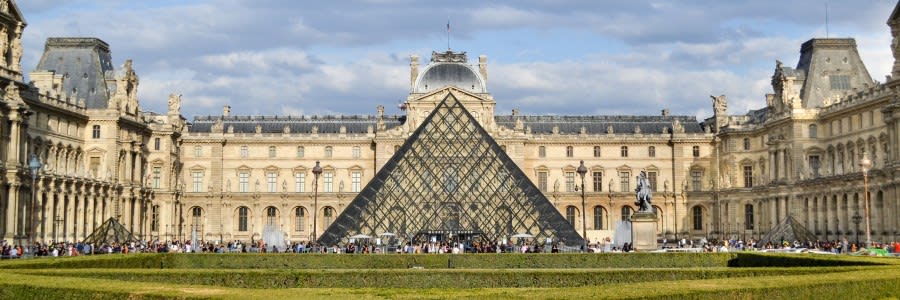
{"x":360,"y":124}
{"x":85,"y":63}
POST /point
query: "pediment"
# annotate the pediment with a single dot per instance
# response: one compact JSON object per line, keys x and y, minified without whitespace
{"x":438,"y":95}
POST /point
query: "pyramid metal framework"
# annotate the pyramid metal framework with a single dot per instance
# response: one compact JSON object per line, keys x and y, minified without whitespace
{"x":110,"y":232}
{"x":789,"y":230}
{"x":451,"y":179}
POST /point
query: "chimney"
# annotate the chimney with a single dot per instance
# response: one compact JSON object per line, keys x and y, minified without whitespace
{"x":413,"y":70}
{"x":226,"y":110}
{"x":482,"y":68}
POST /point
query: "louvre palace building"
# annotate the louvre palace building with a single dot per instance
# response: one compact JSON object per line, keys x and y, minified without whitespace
{"x":450,"y":165}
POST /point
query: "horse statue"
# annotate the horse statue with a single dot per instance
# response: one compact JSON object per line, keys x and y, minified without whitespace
{"x":643,"y":193}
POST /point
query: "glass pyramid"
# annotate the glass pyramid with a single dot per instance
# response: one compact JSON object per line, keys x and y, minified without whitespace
{"x":450,"y":181}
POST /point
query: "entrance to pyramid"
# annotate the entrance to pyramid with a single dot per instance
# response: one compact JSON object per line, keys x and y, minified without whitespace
{"x":451,"y":182}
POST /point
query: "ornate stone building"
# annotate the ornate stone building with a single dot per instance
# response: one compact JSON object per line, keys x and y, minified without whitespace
{"x":233,"y":177}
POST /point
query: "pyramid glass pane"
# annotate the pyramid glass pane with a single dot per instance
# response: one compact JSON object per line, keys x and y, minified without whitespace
{"x":450,"y":181}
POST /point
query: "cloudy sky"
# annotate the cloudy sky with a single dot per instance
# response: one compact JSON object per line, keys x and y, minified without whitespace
{"x":545,"y":57}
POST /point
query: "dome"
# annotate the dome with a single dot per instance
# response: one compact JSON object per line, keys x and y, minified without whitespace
{"x":440,"y":75}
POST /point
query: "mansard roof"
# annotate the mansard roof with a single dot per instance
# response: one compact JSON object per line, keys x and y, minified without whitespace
{"x":601,"y":124}
{"x":86,"y":65}
{"x":276,"y":124}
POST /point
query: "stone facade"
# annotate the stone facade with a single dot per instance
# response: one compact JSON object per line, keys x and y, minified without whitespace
{"x":228,"y":177}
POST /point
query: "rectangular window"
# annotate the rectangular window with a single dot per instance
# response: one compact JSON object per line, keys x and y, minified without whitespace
{"x":198,"y":181}
{"x":245,"y":152}
{"x":329,"y":180}
{"x":814,"y":165}
{"x":570,"y":182}
{"x":300,"y":151}
{"x":95,"y":132}
{"x":156,"y":143}
{"x":748,"y":176}
{"x":198,"y":151}
{"x":299,"y":182}
{"x":157,"y":174}
{"x":598,"y":181}
{"x":651,"y":176}
{"x":696,"y":151}
{"x":355,"y":181}
{"x":95,"y":166}
{"x":542,"y":151}
{"x":839,"y":82}
{"x":651,"y":152}
{"x":242,"y":218}
{"x":272,"y":152}
{"x":624,"y":181}
{"x":746,"y":144}
{"x":542,"y":181}
{"x":244,"y":182}
{"x":696,"y":180}
{"x":731,"y":145}
{"x":272,"y":182}
{"x":356,"y":151}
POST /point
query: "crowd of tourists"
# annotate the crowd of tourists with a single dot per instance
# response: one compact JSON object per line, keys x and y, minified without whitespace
{"x":259,"y":246}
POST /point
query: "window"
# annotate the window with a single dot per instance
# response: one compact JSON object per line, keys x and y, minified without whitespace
{"x":748,"y":217}
{"x":570,"y":151}
{"x":748,"y":176}
{"x":245,"y":152}
{"x":624,"y":151}
{"x":596,"y":151}
{"x":329,"y":180}
{"x":244,"y":182}
{"x":198,"y":151}
{"x":154,"y":218}
{"x":651,"y":151}
{"x":197,"y":215}
{"x":157,"y":174}
{"x":271,"y":214}
{"x":839,"y":82}
{"x":814,"y":165}
{"x":197,"y":180}
{"x":570,"y":215}
{"x":328,"y":151}
{"x":813,"y":131}
{"x":300,"y":151}
{"x":355,"y":151}
{"x":156,"y":143}
{"x":243,"y":211}
{"x":299,"y":215}
{"x":598,"y":217}
{"x":272,"y":182}
{"x":651,"y":176}
{"x":746,"y":144}
{"x":355,"y":181}
{"x":626,"y":213}
{"x":95,"y":166}
{"x":542,"y":151}
{"x":624,"y":181}
{"x":542,"y":181}
{"x":299,"y":182}
{"x":272,"y":152}
{"x":95,"y":132}
{"x":695,"y":180}
{"x":696,"y":151}
{"x":570,"y":182}
{"x":598,"y":181}
{"x":697,"y":213}
{"x":329,"y":213}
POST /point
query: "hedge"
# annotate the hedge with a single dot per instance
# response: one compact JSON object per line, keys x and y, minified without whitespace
{"x":422,"y":278}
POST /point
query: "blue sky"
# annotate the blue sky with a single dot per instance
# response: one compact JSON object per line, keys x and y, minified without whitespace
{"x":544,"y":57}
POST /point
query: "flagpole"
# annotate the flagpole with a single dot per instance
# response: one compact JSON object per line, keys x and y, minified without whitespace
{"x":448,"y":33}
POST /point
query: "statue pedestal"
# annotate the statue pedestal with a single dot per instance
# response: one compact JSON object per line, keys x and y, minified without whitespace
{"x":643,"y":231}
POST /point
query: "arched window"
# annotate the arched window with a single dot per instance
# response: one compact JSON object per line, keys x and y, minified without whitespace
{"x":697,"y":213}
{"x":651,"y":151}
{"x":272,"y":152}
{"x":596,"y":151}
{"x":599,"y":213}
{"x":748,"y":217}
{"x":196,"y":218}
{"x":301,"y":151}
{"x":570,"y":215}
{"x":626,"y":213}
{"x":243,"y":211}
{"x":329,"y":214}
{"x":570,"y":151}
{"x":624,"y":151}
{"x":328,"y":151}
{"x":271,"y":214}
{"x":299,"y":216}
{"x":154,"y":218}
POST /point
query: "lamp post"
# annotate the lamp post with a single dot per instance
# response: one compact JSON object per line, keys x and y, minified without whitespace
{"x":856,"y":220}
{"x":866,"y":163}
{"x":317,"y":170}
{"x":581,"y":171}
{"x":35,"y":165}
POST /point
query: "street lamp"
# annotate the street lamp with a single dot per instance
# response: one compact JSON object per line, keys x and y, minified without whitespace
{"x":317,"y":170}
{"x":856,"y":220}
{"x":35,"y":165}
{"x":866,"y":163}
{"x":581,"y":171}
